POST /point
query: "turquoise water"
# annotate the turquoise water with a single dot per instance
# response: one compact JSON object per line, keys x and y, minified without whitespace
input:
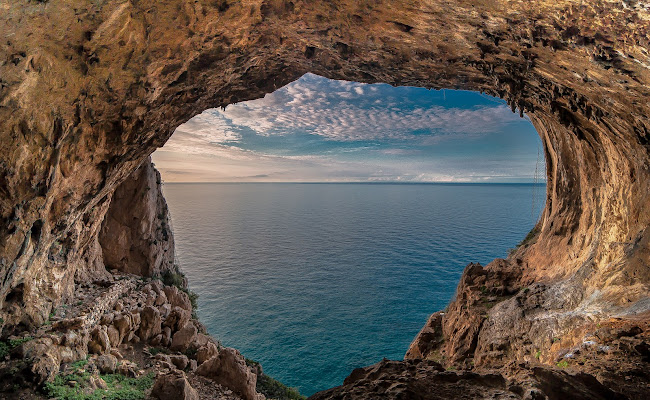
{"x":314,"y":280}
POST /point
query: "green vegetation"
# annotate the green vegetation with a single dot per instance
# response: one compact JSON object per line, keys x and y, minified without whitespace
{"x":78,"y":385}
{"x":530,"y":237}
{"x":157,"y":350}
{"x":271,"y":388}
{"x":277,"y":390}
{"x":7,"y":347}
{"x":562,"y":364}
{"x":538,"y":354}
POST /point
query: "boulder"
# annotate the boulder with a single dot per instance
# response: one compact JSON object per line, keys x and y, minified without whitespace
{"x":229,"y":369}
{"x":135,"y":319}
{"x":173,"y":386}
{"x":107,"y":363}
{"x":100,"y":342}
{"x":113,"y":336}
{"x":122,"y":323}
{"x":177,"y":318}
{"x":107,"y":319}
{"x":206,"y":352}
{"x":96,"y":382}
{"x":179,"y":360}
{"x":165,"y":309}
{"x":183,"y":338}
{"x":166,"y":336}
{"x":156,"y":340}
{"x":160,"y":299}
{"x":128,"y":369}
{"x":150,"y":322}
{"x":178,"y":298}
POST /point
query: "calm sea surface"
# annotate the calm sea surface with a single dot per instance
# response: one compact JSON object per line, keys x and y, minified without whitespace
{"x":314,"y":280}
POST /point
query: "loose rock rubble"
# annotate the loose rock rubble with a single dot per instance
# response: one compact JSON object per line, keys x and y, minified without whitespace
{"x":136,"y":326}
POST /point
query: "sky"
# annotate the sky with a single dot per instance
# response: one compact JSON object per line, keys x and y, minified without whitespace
{"x":321,"y":130}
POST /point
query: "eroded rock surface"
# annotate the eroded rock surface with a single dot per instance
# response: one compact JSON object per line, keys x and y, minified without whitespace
{"x":173,"y":386}
{"x":89,"y":90}
{"x":136,"y":235}
{"x":136,"y":346}
{"x":428,"y":380}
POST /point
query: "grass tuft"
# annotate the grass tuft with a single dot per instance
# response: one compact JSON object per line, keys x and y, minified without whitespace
{"x":76,"y":385}
{"x":7,"y":347}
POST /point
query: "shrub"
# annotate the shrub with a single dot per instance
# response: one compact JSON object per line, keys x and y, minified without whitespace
{"x":157,"y":350}
{"x":530,"y":237}
{"x":7,"y":347}
{"x":274,"y":389}
{"x":119,"y":387}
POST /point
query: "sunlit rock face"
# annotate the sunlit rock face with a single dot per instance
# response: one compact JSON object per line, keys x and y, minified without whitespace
{"x":89,"y":89}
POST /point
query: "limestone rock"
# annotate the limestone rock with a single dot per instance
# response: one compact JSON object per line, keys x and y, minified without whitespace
{"x":179,"y":360}
{"x":429,"y":338}
{"x":177,"y":318}
{"x":184,"y":337}
{"x":113,"y":335}
{"x":166,"y":339}
{"x":428,"y":380}
{"x":173,"y":386}
{"x":127,"y":368}
{"x":161,"y":299}
{"x":229,"y":369}
{"x":178,"y":298}
{"x":145,"y":248}
{"x":150,"y":324}
{"x":206,"y":352}
{"x":107,"y":363}
{"x":88,"y":93}
{"x":123,"y":326}
{"x":100,"y":343}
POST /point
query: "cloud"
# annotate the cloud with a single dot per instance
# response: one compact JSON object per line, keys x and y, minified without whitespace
{"x":340,"y":111}
{"x":316,"y":129}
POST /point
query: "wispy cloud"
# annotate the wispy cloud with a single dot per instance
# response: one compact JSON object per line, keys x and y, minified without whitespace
{"x":317,"y":129}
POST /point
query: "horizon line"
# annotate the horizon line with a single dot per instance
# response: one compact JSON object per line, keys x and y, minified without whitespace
{"x":362,"y":182}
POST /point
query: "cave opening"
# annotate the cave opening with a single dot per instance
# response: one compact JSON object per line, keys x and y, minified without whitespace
{"x":322,"y":224}
{"x":89,"y":92}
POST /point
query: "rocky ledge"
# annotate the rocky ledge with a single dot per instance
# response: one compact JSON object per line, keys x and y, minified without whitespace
{"x":128,"y":329}
{"x":126,"y":337}
{"x":494,"y":342}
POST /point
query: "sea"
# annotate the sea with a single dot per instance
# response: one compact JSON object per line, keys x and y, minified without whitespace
{"x":314,"y":280}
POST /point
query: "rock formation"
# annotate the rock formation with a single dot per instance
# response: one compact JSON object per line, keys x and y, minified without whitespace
{"x":126,"y":321}
{"x":89,"y":90}
{"x":136,"y":234}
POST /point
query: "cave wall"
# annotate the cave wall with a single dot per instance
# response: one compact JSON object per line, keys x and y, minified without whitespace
{"x":89,"y":90}
{"x":136,"y":235}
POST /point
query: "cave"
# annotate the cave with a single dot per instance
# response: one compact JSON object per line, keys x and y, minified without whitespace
{"x":89,"y":91}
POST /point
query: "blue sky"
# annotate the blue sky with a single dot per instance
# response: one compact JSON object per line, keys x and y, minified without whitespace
{"x":321,"y":130}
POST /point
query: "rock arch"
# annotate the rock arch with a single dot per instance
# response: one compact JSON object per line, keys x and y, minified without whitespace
{"x":89,"y":90}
